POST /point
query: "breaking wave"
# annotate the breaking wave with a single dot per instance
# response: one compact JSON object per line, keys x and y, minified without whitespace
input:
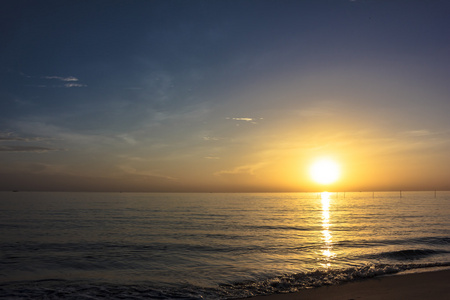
{"x":411,"y":254}
{"x":288,"y":283}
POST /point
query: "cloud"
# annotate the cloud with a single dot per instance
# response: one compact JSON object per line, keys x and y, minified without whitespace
{"x":132,"y":171}
{"x":244,"y":119}
{"x":69,"y":85}
{"x":71,"y":81}
{"x":19,"y":139}
{"x":11,"y":137}
{"x":241,"y":119}
{"x":245,"y":169}
{"x":132,"y":158}
{"x":39,"y":128}
{"x":38,"y":85}
{"x":7,"y":137}
{"x":128,"y":138}
{"x":212,"y":157}
{"x":34,"y":149}
{"x":70,"y":78}
{"x":210,"y":138}
{"x":417,"y":133}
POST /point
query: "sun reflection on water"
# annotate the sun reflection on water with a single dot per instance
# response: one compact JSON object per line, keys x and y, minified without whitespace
{"x":327,"y":248}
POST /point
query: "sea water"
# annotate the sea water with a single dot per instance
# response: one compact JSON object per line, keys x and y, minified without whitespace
{"x":212,"y":245}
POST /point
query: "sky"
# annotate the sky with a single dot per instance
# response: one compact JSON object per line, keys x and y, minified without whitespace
{"x":224,"y":96}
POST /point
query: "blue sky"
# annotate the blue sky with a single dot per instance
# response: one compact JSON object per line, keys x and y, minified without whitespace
{"x":223,"y":95}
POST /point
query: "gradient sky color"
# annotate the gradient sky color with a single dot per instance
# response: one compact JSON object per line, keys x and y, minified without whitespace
{"x":224,"y":95}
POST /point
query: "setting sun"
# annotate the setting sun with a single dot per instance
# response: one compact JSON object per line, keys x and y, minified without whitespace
{"x":325,"y":171}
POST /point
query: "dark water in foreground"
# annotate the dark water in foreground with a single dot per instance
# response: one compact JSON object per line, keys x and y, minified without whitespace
{"x":211,"y":246}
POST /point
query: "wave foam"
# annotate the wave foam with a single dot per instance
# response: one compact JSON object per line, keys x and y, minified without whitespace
{"x":64,"y":289}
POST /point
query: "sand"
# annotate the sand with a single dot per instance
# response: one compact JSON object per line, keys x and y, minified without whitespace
{"x":428,"y":285}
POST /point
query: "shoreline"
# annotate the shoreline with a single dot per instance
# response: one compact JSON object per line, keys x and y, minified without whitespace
{"x":411,"y":286}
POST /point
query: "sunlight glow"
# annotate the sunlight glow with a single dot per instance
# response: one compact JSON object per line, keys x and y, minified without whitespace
{"x":327,"y":248}
{"x":325,"y":171}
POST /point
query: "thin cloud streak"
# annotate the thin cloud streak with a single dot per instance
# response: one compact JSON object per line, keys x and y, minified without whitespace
{"x":34,"y":149}
{"x":70,"y":78}
{"x":133,"y":171}
{"x":11,"y":136}
{"x":72,"y":81}
{"x":245,"y":169}
{"x":69,"y":85}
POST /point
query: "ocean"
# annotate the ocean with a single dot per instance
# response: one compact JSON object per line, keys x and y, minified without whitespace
{"x":212,"y":245}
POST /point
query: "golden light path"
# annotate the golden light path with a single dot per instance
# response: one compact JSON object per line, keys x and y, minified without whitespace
{"x":327,"y":248}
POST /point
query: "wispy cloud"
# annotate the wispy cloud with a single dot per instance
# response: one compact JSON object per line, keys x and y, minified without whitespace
{"x":40,"y":128}
{"x":38,"y":85}
{"x":245,"y":169}
{"x":128,"y":138}
{"x":35,"y":149}
{"x":241,"y":119}
{"x":132,"y":171}
{"x":11,"y":137}
{"x":244,"y":119}
{"x":8,"y":137}
{"x":417,"y":133}
{"x":210,"y":138}
{"x":19,"y":139}
{"x":72,"y":81}
{"x":69,"y":85}
{"x":70,"y":78}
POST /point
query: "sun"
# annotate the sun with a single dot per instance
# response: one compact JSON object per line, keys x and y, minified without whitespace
{"x":325,"y":171}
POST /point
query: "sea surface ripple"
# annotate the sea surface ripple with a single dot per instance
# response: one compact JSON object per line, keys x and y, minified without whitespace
{"x":212,"y":245}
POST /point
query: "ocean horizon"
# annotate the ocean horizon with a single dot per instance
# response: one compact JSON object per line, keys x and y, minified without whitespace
{"x":92,"y":245}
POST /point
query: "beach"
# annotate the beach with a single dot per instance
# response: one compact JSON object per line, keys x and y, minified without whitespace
{"x":427,"y":285}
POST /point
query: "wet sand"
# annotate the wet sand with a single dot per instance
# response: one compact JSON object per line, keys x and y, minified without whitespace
{"x":428,"y":285}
